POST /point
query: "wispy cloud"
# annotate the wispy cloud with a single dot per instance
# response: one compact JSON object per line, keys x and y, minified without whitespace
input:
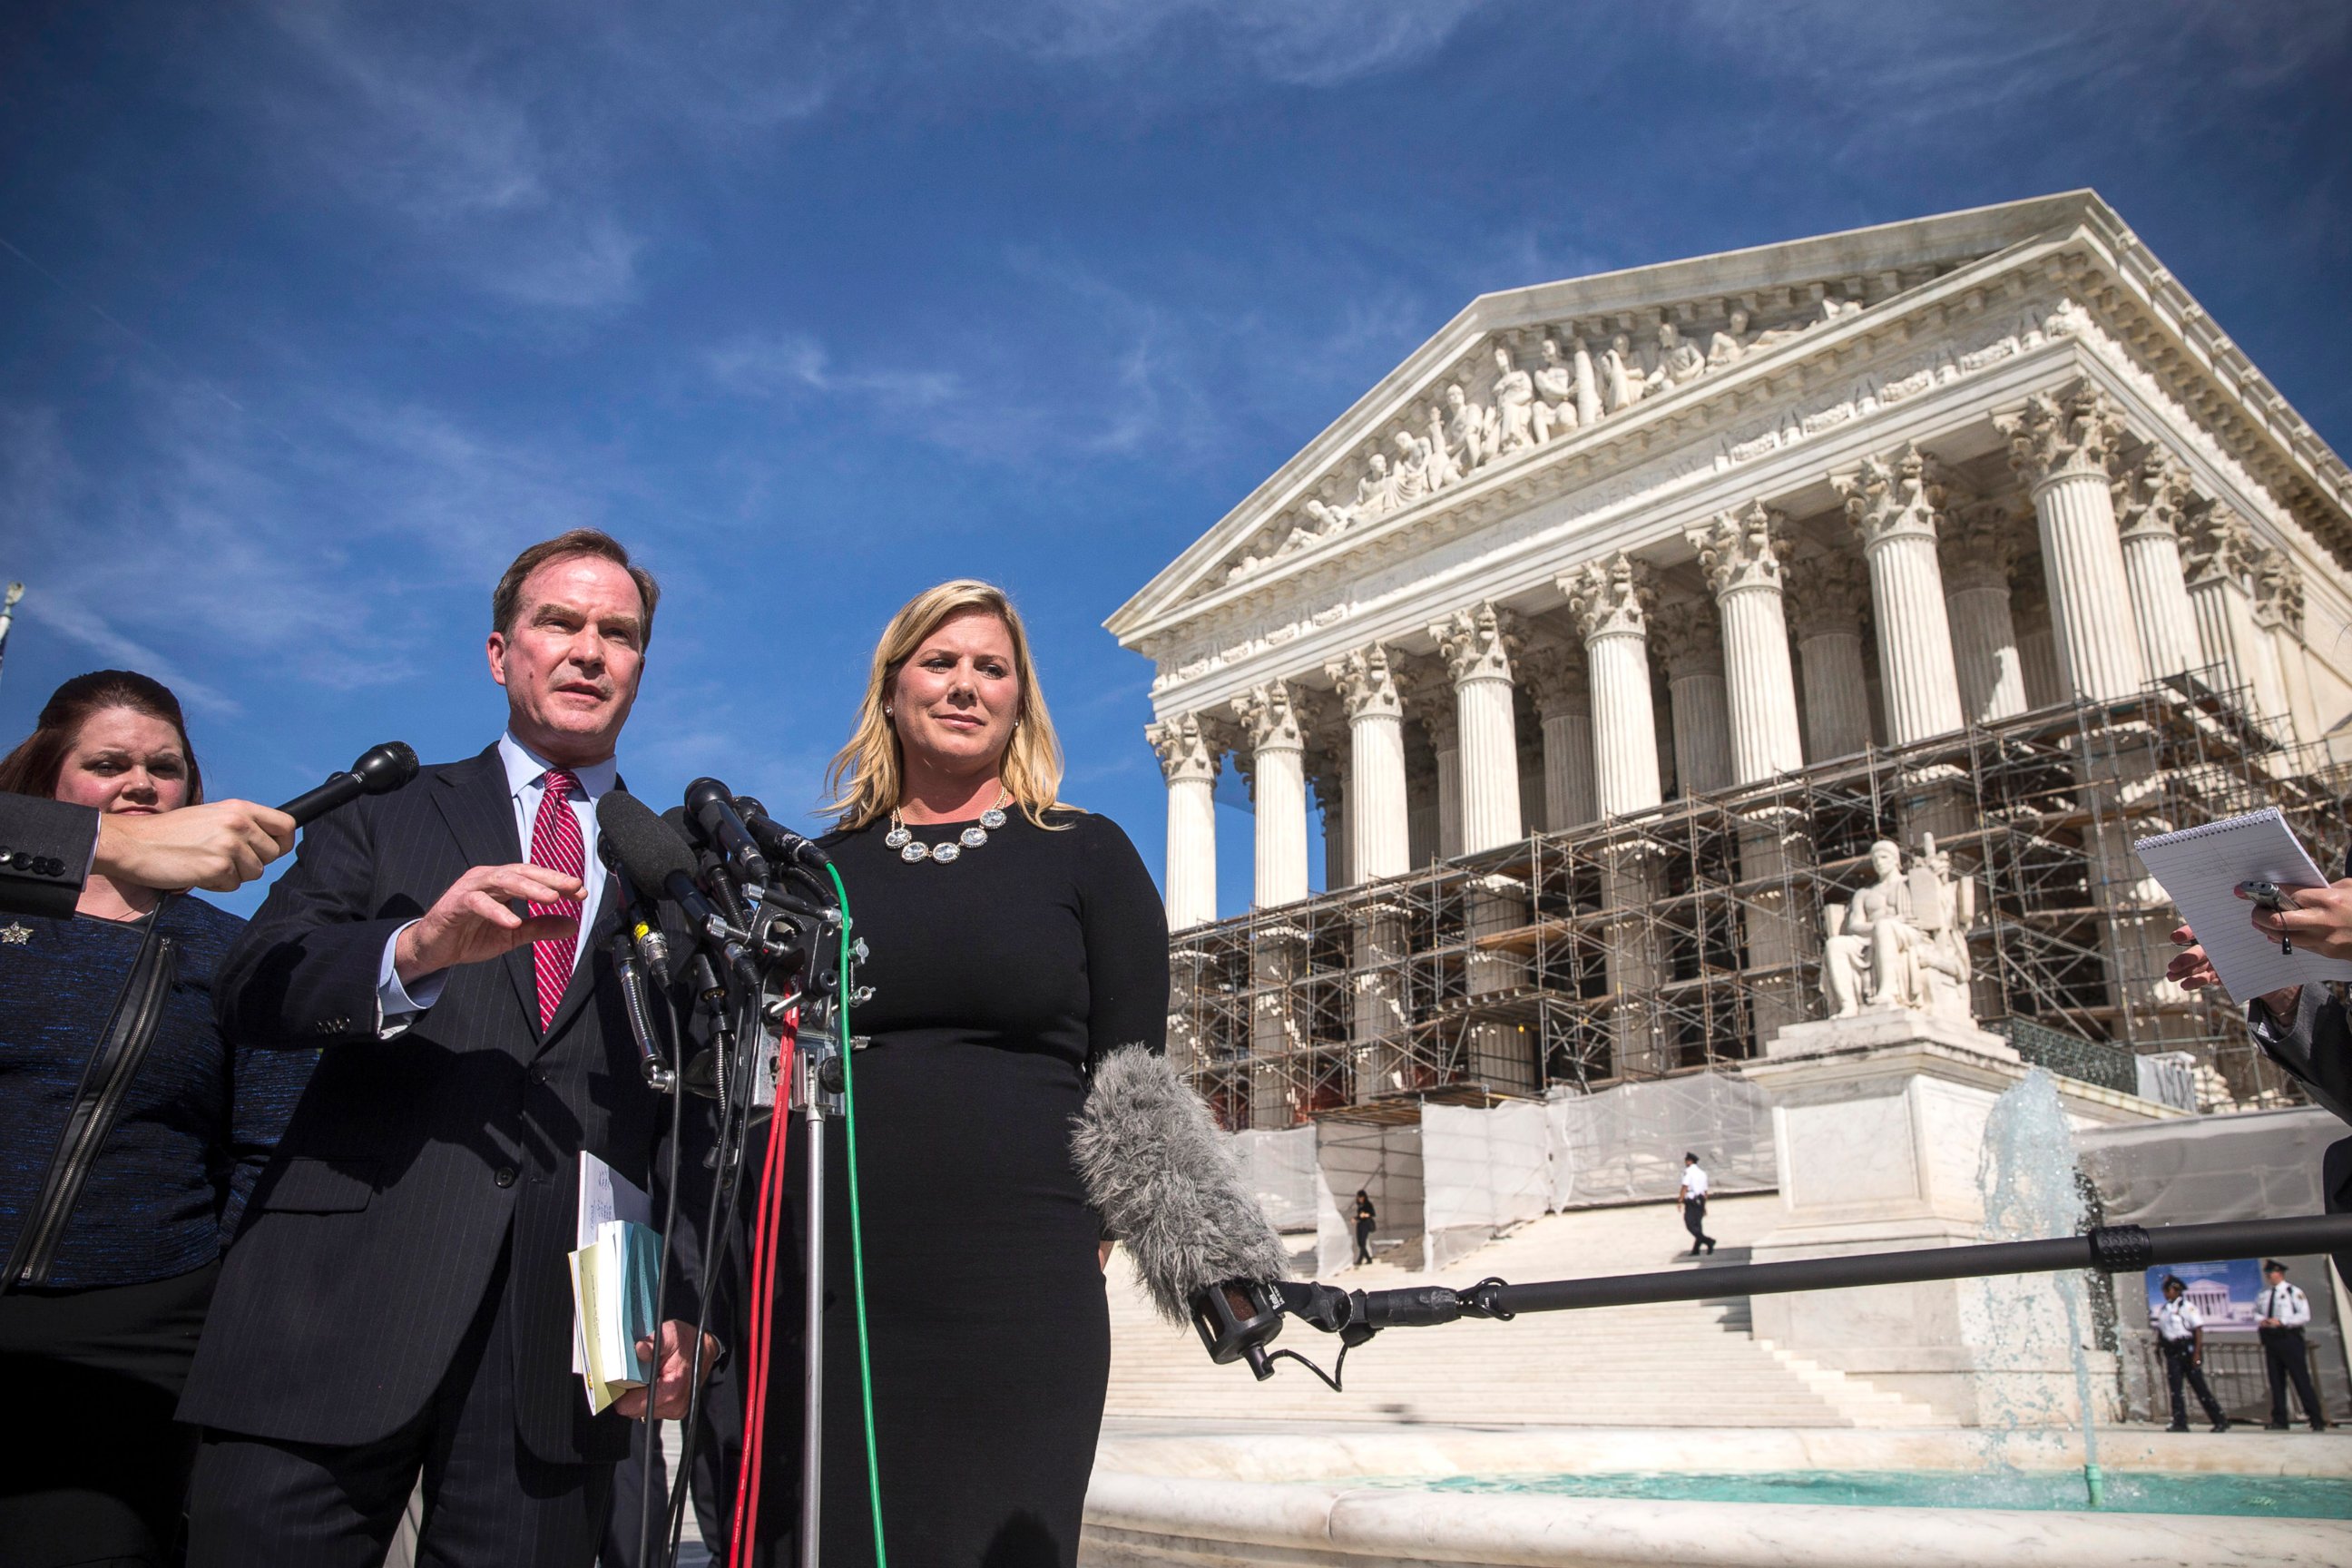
{"x":1306,"y":43}
{"x":784,"y":364}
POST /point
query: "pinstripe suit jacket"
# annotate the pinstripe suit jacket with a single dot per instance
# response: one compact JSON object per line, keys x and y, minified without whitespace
{"x":410,"y":1162}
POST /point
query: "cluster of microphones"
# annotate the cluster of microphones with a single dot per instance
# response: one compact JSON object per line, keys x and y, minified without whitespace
{"x":749,"y":893}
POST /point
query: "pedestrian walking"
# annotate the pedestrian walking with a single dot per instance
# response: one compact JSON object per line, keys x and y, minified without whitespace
{"x":2281,"y":1313}
{"x":2180,"y":1331}
{"x":1364,"y":1219}
{"x":1695,"y":1204}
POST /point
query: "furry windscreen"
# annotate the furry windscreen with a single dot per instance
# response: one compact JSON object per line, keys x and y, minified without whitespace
{"x":1158,"y":1171}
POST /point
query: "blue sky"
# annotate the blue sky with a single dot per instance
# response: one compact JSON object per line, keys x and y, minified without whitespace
{"x":310,"y":314}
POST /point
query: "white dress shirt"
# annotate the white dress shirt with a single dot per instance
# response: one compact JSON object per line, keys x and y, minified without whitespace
{"x":2177,"y":1320}
{"x":397,"y":1006}
{"x":1693,"y":1181}
{"x":2286,"y":1303}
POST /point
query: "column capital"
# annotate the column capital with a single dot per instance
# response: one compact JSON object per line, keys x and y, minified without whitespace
{"x":1270,"y":717}
{"x":1366,"y":680}
{"x":1479,"y":643}
{"x":2075,"y":430}
{"x":1556,"y":677}
{"x":1827,"y":593}
{"x":1191,"y":749}
{"x":2218,"y":545}
{"x":1611,"y":597}
{"x":2150,"y":494}
{"x":2278,"y":590}
{"x":1980,"y":542}
{"x":1744,"y":548}
{"x":1687,"y":641}
{"x":1896,"y":497}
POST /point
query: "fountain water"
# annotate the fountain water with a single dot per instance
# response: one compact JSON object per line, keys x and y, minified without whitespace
{"x":2029,"y":1176}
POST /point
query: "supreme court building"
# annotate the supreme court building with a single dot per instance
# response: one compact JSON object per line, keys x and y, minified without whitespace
{"x":1609,"y":631}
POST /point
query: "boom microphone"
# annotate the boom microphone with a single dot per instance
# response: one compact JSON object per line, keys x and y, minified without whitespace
{"x":712,"y":806}
{"x":379,"y":771}
{"x":1156,"y":1171}
{"x":781,"y":843}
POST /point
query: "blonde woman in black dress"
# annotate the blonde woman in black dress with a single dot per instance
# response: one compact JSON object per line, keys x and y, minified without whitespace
{"x":1016,"y":942}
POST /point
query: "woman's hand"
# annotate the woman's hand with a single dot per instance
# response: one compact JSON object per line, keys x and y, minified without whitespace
{"x":2192,"y":971}
{"x":2320,"y":922}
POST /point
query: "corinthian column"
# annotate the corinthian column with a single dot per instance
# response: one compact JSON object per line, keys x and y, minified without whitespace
{"x":1278,"y":745}
{"x":1826,"y":596}
{"x":1378,"y":843}
{"x":1478,"y":644}
{"x":2037,"y":643}
{"x":2061,"y":447}
{"x":1429,"y":696}
{"x":2150,"y":501}
{"x":1743,"y":553}
{"x":1555,"y":678}
{"x":1611,"y":600}
{"x":1189,"y":759}
{"x":2219,"y":558}
{"x":2278,"y":599}
{"x":1893,"y":505}
{"x":1693,"y":653}
{"x":1980,"y":546}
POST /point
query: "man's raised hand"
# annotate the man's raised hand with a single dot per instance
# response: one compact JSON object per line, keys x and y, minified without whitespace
{"x":475,"y":919}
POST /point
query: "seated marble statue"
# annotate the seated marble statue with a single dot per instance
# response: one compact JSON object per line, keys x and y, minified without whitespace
{"x":1468,"y":427}
{"x":1375,"y":492}
{"x":1903,"y":940}
{"x":1678,"y":361}
{"x":1442,"y":466}
{"x":1556,"y":387}
{"x":1623,"y":378}
{"x":1409,"y":479}
{"x":1521,"y":419}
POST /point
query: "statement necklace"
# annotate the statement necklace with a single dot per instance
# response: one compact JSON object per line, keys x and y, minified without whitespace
{"x":912,"y":850}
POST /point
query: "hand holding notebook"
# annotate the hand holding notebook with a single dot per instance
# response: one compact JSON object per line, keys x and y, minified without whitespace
{"x":2202,"y":868}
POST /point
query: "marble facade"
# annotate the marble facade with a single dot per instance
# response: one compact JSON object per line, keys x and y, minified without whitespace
{"x":1685,"y":528}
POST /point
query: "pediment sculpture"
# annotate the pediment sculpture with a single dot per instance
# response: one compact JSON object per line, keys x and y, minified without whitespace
{"x":1902,"y":940}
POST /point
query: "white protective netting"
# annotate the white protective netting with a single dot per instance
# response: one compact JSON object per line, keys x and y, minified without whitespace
{"x":1282,"y":1171}
{"x":1482,"y":1172}
{"x":1626,"y":1144}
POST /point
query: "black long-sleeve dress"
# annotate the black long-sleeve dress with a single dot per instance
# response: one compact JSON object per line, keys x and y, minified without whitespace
{"x":997,"y":980}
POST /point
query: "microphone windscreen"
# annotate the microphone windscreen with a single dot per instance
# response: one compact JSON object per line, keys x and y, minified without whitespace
{"x":386,"y":768}
{"x":648,"y":848}
{"x":1166,"y":1185}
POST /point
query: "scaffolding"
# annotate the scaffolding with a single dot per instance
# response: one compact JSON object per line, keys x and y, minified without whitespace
{"x":1681,"y":939}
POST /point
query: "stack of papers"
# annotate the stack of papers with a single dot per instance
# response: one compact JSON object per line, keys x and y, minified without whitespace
{"x":613,"y":1274}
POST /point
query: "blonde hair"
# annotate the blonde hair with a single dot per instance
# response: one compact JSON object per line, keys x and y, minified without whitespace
{"x":868,"y":773}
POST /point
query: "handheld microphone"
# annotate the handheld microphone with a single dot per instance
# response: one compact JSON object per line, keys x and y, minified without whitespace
{"x":645,"y":934}
{"x":712,"y":806}
{"x":657,"y":857}
{"x":710,"y":872}
{"x":781,"y":843}
{"x":379,"y":771}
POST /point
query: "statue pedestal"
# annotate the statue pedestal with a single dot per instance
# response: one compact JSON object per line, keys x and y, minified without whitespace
{"x":1879,"y":1122}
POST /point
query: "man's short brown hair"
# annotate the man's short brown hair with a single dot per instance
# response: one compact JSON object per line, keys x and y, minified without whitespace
{"x":506,"y":600}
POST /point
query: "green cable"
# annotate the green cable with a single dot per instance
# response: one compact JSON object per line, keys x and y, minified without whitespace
{"x":858,"y":1232}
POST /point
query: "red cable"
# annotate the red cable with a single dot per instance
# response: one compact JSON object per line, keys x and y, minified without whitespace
{"x":768,"y":1221}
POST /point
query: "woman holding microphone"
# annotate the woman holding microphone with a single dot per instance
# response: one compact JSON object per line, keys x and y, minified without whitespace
{"x":1016,"y":942}
{"x":131,"y":1134}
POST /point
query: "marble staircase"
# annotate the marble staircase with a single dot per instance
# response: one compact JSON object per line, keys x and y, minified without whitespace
{"x":1674,"y":1365}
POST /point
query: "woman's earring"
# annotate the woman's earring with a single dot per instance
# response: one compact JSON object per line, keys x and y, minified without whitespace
{"x":886,"y":712}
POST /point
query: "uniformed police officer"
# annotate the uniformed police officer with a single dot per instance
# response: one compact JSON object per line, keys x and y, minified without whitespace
{"x":2180,"y":1331}
{"x":1695,"y":1204}
{"x":2281,"y":1312}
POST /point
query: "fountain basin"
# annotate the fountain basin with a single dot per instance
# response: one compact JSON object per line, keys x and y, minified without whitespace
{"x":1303,"y":1499}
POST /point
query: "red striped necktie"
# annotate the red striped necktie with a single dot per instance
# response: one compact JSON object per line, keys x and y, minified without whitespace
{"x":555,"y":844}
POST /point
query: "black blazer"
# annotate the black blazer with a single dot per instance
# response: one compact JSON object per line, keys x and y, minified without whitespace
{"x":45,"y":849}
{"x":412,"y":1162}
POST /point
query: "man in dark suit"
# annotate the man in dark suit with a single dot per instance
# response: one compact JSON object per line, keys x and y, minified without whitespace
{"x":50,"y":847}
{"x":397,"y":1304}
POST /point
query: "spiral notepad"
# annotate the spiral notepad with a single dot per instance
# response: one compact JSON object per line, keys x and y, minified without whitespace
{"x":2200,"y":869}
